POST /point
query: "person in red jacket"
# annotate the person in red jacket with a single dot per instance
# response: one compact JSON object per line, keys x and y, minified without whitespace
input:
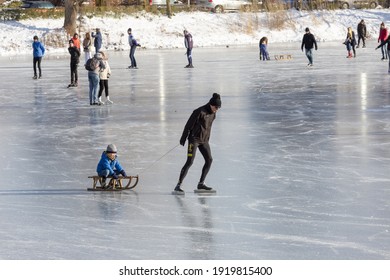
{"x":197,"y":130}
{"x":383,"y":34}
{"x":76,"y":41}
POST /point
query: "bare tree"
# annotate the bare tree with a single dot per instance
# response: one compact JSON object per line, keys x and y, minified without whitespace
{"x":71,"y":11}
{"x":169,"y":9}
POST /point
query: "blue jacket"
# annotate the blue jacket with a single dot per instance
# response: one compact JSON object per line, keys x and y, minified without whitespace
{"x":98,"y":40}
{"x":106,"y":163}
{"x":38,"y":49}
{"x":132,"y":41}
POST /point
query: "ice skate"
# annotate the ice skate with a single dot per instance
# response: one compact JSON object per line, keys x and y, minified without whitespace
{"x":202,"y":188}
{"x":178,"y":190}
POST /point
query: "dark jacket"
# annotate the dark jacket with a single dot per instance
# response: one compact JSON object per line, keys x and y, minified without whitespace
{"x":198,"y":126}
{"x":308,"y":41}
{"x":350,"y":40}
{"x":188,"y":42}
{"x":74,"y":55}
{"x":362,"y":30}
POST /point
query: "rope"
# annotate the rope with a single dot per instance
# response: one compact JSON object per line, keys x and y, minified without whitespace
{"x":159,"y":159}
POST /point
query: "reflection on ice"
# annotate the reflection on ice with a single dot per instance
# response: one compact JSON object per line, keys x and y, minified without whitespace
{"x":300,"y":159}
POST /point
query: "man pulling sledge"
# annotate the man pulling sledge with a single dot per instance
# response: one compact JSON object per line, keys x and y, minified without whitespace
{"x":197,"y":130}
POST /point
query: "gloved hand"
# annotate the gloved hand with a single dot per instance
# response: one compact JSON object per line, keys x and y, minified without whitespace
{"x":182,"y":140}
{"x":114,"y":176}
{"x":123,"y":173}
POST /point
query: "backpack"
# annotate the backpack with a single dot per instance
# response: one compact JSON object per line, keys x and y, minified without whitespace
{"x":92,"y":64}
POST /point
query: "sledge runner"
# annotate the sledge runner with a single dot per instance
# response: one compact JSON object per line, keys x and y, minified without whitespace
{"x":109,"y":165}
{"x":197,"y":130}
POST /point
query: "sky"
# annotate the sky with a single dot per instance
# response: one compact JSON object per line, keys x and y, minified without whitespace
{"x":208,"y":29}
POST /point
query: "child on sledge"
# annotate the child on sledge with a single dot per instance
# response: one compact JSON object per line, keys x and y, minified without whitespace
{"x":103,"y":80}
{"x":109,"y":165}
{"x":263,"y":43}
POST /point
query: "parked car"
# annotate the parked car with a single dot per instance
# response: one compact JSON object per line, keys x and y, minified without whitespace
{"x":161,"y":3}
{"x":347,"y":4}
{"x":220,"y":6}
{"x":37,"y":5}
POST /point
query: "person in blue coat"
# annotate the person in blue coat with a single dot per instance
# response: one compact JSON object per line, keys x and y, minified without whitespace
{"x":109,"y":165}
{"x":133,"y":46}
{"x":38,"y":53}
{"x":98,"y":40}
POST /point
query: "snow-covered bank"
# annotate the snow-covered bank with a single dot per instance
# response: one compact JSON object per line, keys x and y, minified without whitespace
{"x":208,"y":29}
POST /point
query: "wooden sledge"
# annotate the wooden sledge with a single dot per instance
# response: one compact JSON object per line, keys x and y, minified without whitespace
{"x":113,"y":184}
{"x":283,"y":57}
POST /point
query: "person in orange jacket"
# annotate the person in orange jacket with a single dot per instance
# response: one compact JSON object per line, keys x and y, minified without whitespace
{"x":76,"y":41}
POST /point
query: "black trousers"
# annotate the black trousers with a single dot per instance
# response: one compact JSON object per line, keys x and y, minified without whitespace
{"x":363,"y":39}
{"x":205,"y":150}
{"x":103,"y":84}
{"x":74,"y":77}
{"x":37,"y":61}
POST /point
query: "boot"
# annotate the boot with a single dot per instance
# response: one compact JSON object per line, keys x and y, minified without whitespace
{"x":202,"y":186}
{"x":178,"y":188}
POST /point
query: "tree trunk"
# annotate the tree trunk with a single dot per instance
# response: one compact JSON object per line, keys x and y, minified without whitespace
{"x":71,"y":11}
{"x":169,"y":9}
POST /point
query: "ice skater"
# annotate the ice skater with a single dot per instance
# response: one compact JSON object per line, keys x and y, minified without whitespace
{"x":188,"y":43}
{"x":38,"y":53}
{"x":263,"y":43}
{"x":350,"y":42}
{"x":133,"y":46}
{"x":93,"y":78}
{"x":74,"y":63}
{"x":384,"y":43}
{"x":109,"y":165}
{"x":362,"y":33}
{"x":98,"y":40}
{"x":383,"y":34}
{"x":87,"y":42}
{"x":197,"y":130}
{"x":103,"y":82}
{"x":308,"y":42}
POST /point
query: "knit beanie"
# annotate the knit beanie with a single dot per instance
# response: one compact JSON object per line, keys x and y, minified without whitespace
{"x":216,"y":100}
{"x":111,"y":149}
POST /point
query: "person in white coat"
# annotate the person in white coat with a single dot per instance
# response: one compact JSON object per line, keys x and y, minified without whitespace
{"x":104,"y":75}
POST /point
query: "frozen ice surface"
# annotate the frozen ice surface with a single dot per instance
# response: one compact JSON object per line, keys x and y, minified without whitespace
{"x":301,"y":158}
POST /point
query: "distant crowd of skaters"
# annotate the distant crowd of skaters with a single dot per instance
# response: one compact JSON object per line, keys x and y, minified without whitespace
{"x":97,"y":77}
{"x":309,"y":43}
